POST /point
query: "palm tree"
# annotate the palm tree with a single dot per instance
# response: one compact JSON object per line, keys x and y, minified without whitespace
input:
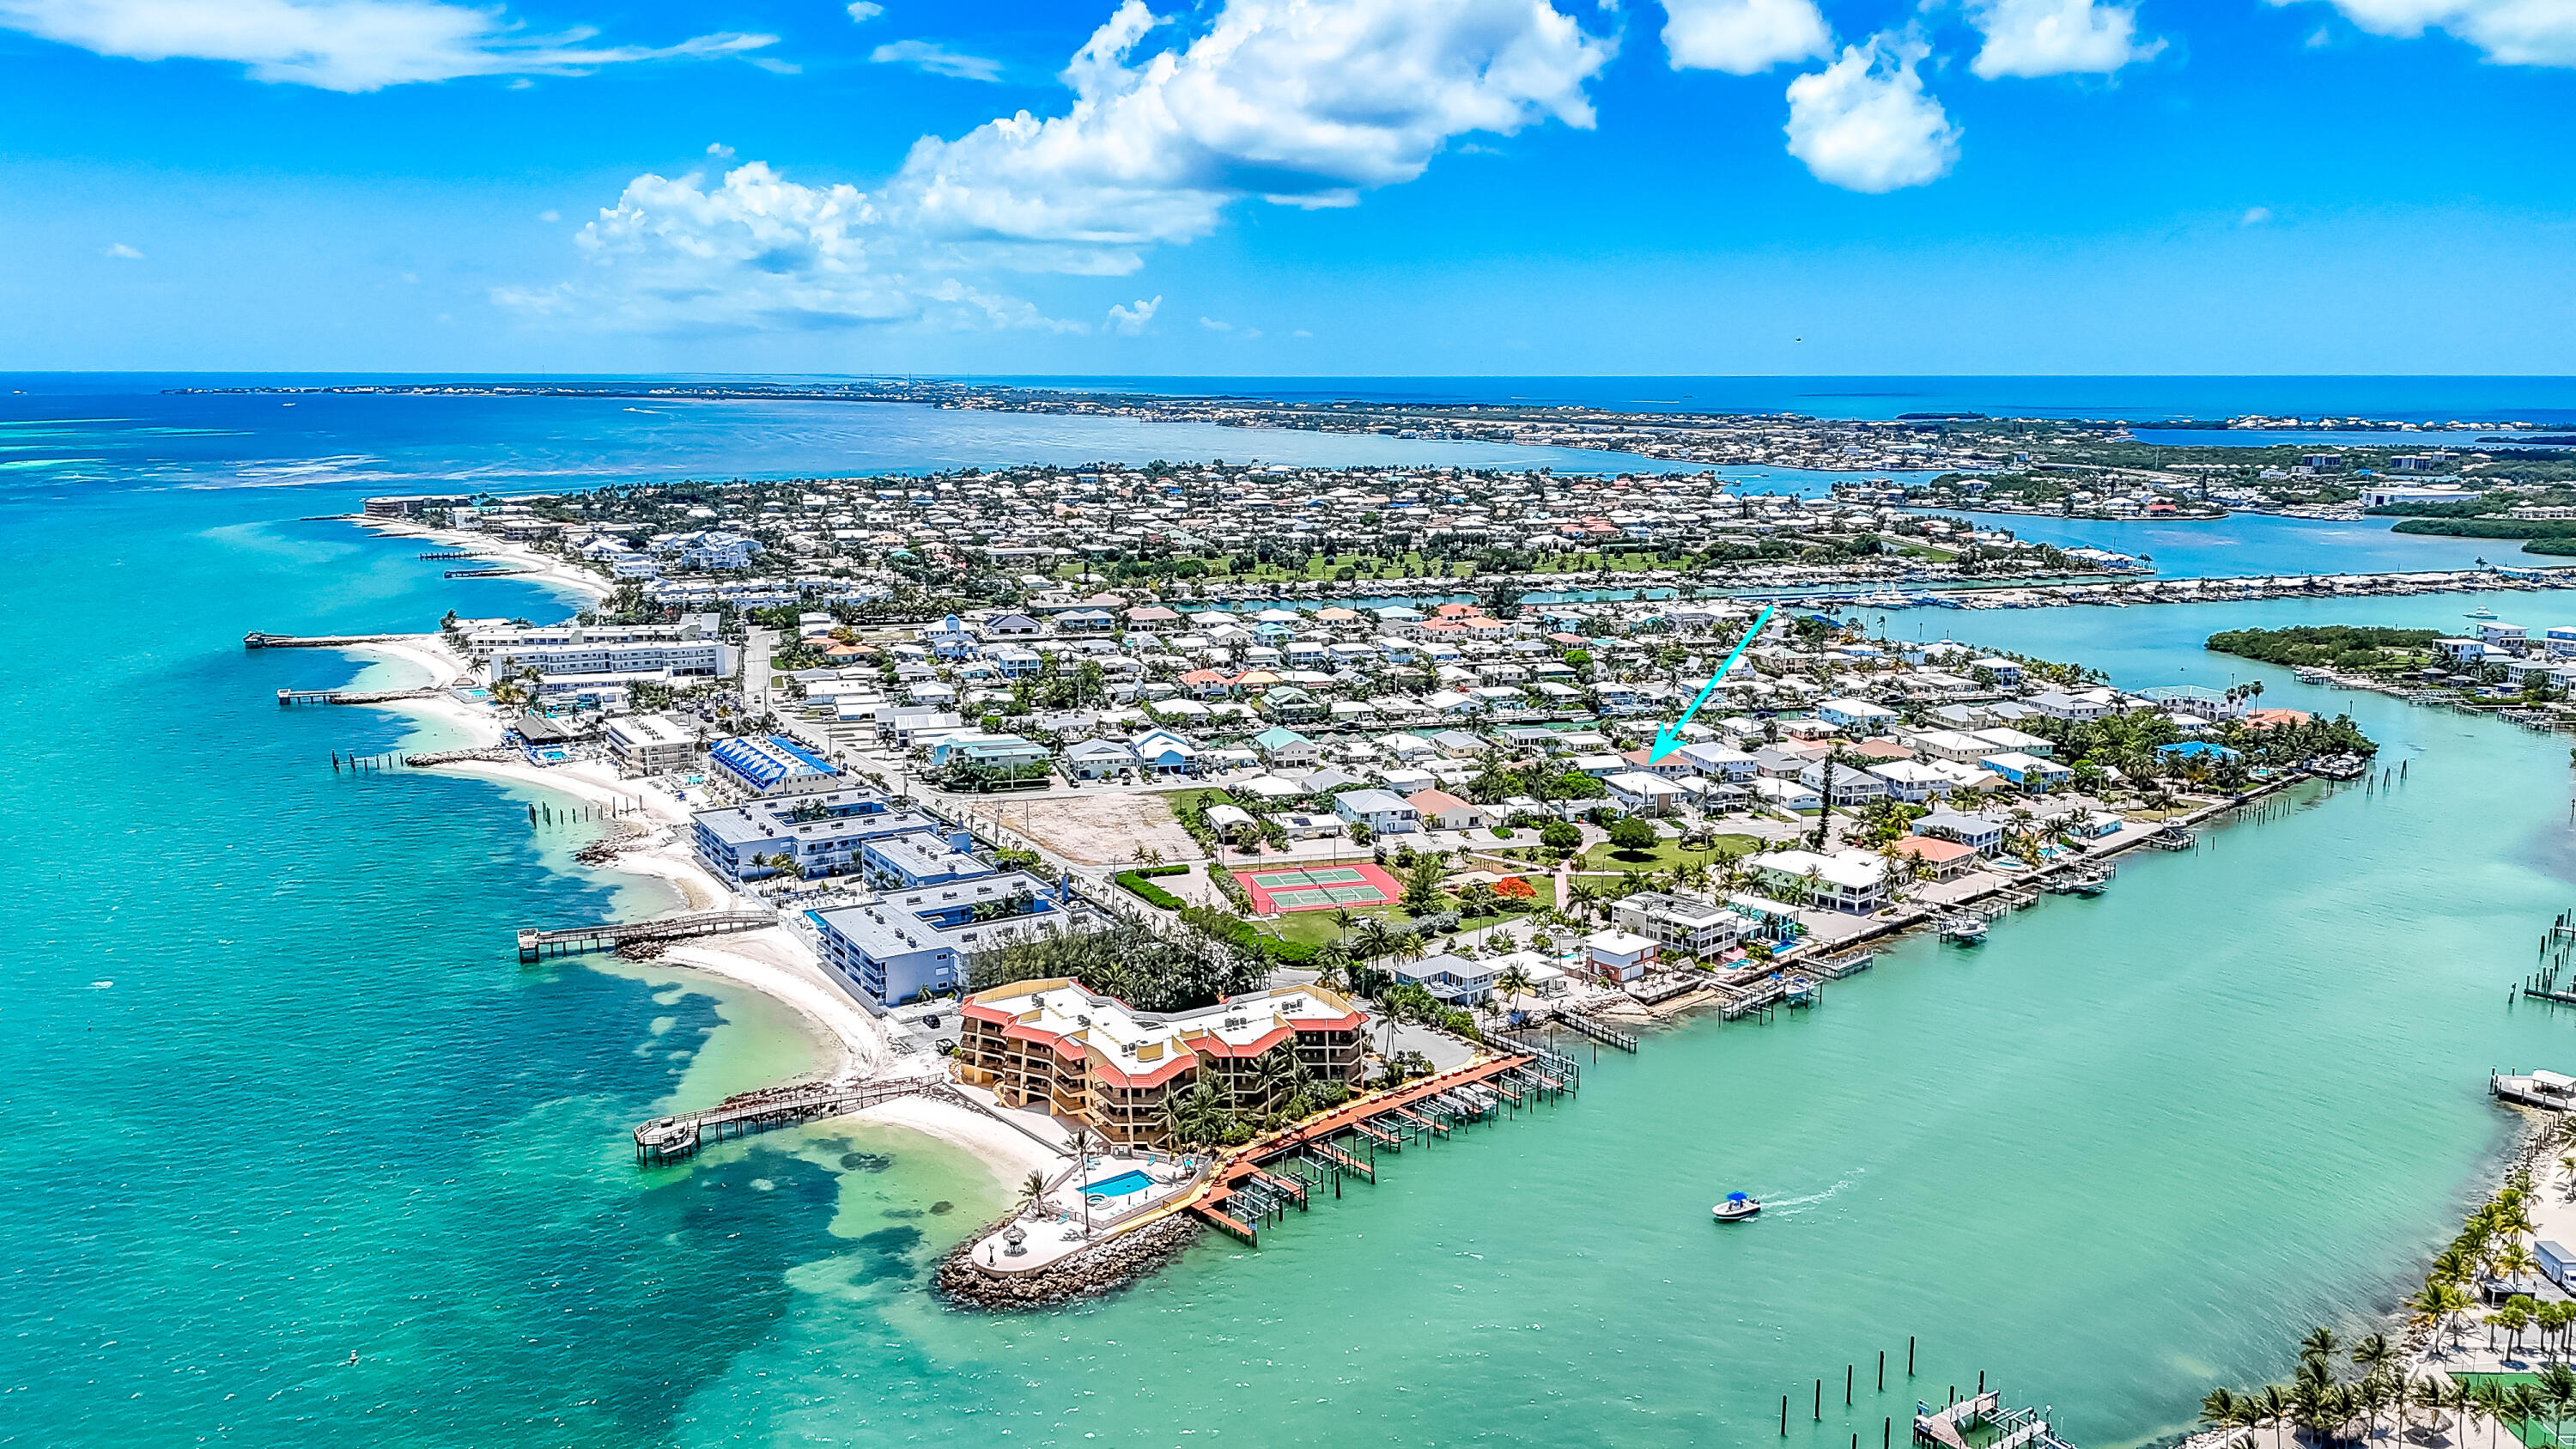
{"x":1374,"y":939}
{"x":2272,"y":1406}
{"x":2218,"y":1407}
{"x":2525,"y":1403}
{"x":1033,"y":1187}
{"x":2557,"y":1386}
{"x":2513,"y":1318}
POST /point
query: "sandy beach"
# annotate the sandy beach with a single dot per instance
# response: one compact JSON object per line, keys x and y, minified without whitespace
{"x":775,"y":963}
{"x":544,"y":568}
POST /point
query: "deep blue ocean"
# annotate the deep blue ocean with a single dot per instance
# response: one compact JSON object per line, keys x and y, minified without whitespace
{"x":2546,"y":400}
{"x":302,"y":1154}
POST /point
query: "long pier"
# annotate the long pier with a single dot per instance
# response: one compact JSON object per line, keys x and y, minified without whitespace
{"x":290,"y":698}
{"x":1261,"y":1183}
{"x":257,"y":640}
{"x":536,"y":945}
{"x":677,"y":1138}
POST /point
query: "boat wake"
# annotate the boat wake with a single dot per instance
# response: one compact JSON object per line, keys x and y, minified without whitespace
{"x":1777,"y":1205}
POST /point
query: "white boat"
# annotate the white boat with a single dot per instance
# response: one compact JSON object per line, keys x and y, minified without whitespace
{"x":1737,"y":1207}
{"x":2479,"y":614}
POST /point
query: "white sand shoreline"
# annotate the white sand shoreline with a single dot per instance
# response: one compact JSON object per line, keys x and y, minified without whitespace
{"x":772,"y":962}
{"x":544,"y":568}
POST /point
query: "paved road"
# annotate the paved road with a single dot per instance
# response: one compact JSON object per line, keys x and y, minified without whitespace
{"x":756,"y":648}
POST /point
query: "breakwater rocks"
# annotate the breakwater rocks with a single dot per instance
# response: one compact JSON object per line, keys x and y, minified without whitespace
{"x":1104,"y":1268}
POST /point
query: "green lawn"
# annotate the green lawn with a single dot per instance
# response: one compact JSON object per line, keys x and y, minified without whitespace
{"x":1665,"y":854}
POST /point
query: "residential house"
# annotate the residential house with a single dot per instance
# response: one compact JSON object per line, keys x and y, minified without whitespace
{"x":1847,"y":880}
{"x":1381,"y":812}
{"x":1440,"y":810}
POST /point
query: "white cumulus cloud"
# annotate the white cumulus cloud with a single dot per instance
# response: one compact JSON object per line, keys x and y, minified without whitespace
{"x":1128,"y":321}
{"x":864,"y":11}
{"x":2055,"y":37}
{"x":342,"y":45}
{"x":1865,"y":122}
{"x":2513,"y":32}
{"x":936,"y":59}
{"x":1302,"y":102}
{"x":1743,"y":37}
{"x":122,"y":252}
{"x":1294,"y":102}
{"x":2255,"y":216}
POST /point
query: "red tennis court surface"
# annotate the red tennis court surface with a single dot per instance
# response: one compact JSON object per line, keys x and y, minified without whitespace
{"x":1318,"y":887}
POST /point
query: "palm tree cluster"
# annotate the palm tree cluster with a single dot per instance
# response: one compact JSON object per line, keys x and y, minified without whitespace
{"x":1152,"y":966}
{"x":2315,"y":1401}
{"x":2490,"y":1244}
{"x":1278,"y":1089}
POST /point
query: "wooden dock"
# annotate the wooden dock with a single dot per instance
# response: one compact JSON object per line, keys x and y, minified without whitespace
{"x":1262,"y":1181}
{"x":675,"y":1139}
{"x":1609,"y":1036}
{"x":536,"y":945}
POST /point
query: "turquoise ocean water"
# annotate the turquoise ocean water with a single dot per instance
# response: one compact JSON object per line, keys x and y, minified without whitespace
{"x":283,"y":1097}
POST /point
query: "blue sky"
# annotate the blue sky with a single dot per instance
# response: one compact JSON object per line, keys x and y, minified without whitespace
{"x":1290,"y":187}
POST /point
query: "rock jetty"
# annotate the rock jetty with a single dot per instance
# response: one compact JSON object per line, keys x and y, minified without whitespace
{"x":1104,"y":1268}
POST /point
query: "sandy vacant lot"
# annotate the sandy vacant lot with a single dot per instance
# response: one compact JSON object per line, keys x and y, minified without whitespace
{"x":1102,"y":829}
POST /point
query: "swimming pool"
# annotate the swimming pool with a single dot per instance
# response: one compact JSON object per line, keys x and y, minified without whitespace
{"x":1119,"y":1186}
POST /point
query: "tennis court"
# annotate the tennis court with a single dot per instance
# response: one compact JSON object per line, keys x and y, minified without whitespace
{"x":1318,"y":887}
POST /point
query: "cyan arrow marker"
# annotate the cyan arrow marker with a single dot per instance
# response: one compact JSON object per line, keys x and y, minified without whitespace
{"x":1669,"y":738}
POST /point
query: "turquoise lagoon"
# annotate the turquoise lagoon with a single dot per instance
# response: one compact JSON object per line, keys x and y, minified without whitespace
{"x":300,"y":1151}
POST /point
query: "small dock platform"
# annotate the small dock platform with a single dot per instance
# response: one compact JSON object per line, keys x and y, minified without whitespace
{"x":2550,"y":1091}
{"x":536,"y":945}
{"x":1982,"y":1422}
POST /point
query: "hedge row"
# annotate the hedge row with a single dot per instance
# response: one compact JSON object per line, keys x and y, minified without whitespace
{"x":1134,"y":882}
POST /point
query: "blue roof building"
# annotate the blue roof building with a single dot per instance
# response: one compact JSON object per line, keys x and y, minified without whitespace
{"x":767,"y":765}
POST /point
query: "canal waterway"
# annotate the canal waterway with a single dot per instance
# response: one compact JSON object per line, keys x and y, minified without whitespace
{"x":300,"y":1150}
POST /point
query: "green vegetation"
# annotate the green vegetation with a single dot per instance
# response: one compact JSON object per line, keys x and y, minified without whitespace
{"x":2131,"y":744}
{"x":1134,"y":882}
{"x":2488,"y":526}
{"x":2337,"y":646}
{"x":1690,"y":850}
{"x":1149,"y":968}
